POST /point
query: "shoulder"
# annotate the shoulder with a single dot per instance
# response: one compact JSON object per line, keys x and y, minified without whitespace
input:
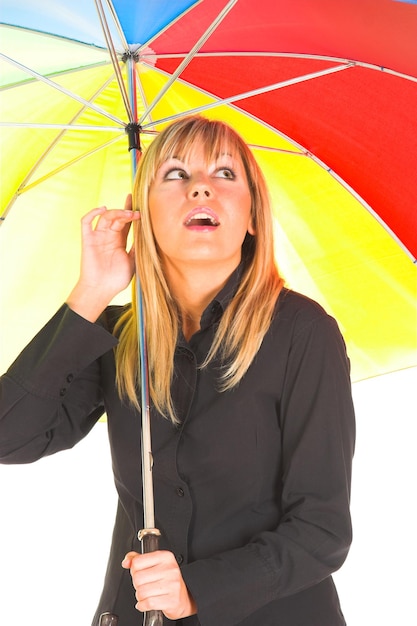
{"x":304,"y":331}
{"x":300,"y":313}
{"x":290,"y":303}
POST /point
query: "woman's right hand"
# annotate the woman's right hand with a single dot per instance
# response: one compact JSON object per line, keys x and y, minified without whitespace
{"x":107,"y":266}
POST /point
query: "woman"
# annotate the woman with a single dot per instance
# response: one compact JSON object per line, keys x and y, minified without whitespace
{"x":252,"y":418}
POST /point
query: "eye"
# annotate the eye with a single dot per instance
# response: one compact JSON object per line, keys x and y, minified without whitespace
{"x":176,"y":173}
{"x":225,"y":172}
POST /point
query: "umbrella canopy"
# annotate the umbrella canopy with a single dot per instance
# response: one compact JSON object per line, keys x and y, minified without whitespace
{"x":324,"y":92}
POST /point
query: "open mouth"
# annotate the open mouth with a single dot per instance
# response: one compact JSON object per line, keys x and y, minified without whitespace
{"x":202,"y":218}
{"x":202,"y":221}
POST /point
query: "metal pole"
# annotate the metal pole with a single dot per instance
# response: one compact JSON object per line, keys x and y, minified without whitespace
{"x":149,"y":535}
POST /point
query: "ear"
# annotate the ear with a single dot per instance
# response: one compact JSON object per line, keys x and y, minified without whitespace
{"x":251,"y":228}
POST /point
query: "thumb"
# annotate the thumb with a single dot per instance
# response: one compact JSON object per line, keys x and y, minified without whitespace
{"x":128,"y":202}
{"x":127,"y":561}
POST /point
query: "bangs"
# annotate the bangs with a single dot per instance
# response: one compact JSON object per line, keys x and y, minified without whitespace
{"x":180,"y":141}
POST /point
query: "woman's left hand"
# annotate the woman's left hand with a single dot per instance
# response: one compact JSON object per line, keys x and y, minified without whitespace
{"x":159,"y":584}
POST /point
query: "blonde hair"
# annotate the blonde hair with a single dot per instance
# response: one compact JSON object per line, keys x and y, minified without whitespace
{"x":248,"y":316}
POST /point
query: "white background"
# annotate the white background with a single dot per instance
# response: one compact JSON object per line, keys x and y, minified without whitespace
{"x":56,"y":519}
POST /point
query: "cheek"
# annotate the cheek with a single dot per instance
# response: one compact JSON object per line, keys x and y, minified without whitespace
{"x":162,"y":233}
{"x":159,"y":218}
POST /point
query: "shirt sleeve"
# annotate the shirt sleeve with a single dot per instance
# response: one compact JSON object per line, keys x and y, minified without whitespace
{"x":313,"y":535}
{"x":51,"y":397}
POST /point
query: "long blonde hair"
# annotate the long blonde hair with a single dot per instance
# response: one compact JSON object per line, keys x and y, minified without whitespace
{"x":247,"y":317}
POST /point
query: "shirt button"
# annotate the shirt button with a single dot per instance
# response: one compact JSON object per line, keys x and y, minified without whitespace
{"x":180,"y":492}
{"x":180,"y":559}
{"x":70,"y":378}
{"x":62,"y":391}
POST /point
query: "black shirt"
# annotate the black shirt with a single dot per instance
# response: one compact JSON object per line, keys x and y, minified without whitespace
{"x":251,"y":489}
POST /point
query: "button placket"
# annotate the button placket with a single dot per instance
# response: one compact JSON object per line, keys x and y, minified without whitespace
{"x":63,"y":390}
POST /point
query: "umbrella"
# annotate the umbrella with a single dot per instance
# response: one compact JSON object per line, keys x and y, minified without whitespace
{"x":324,"y":92}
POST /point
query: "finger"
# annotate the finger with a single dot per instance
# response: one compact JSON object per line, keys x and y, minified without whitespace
{"x":129,"y":204}
{"x":152,"y":560}
{"x":146,"y":573}
{"x":141,"y":561}
{"x":150,"y":598}
{"x":166,"y":596}
{"x":89,"y":218}
{"x":151,"y":603}
{"x":115,"y":220}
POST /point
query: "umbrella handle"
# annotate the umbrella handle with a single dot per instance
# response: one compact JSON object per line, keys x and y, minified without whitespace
{"x":149,"y":538}
{"x":108,"y":619}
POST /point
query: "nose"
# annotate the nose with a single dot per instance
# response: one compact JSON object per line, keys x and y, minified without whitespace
{"x":200,"y":186}
{"x":204,"y":192}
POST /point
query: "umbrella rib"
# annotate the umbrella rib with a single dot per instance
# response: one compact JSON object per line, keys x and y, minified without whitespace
{"x":113,"y":57}
{"x":69,"y":126}
{"x":363,"y":202}
{"x":82,"y":127}
{"x":46,"y":34}
{"x":289,"y":55}
{"x":255,"y":146}
{"x":67,"y":165}
{"x":52,"y":173}
{"x":142,"y":94}
{"x":256,"y":92}
{"x":209,"y":31}
{"x":54,"y":85}
{"x":117,"y":24}
{"x":62,"y":128}
{"x":72,"y":70}
{"x":170,"y":24}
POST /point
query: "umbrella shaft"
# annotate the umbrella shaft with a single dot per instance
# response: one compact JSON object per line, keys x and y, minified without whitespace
{"x":147,"y":479}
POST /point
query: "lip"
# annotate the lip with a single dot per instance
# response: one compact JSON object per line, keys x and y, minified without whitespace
{"x":202,"y":210}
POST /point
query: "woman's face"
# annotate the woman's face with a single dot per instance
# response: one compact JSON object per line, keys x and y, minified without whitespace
{"x":200,"y":211}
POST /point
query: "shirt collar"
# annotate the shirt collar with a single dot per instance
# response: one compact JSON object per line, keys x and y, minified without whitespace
{"x":217,"y":306}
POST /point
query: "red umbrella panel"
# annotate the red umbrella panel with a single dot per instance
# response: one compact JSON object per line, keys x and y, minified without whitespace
{"x":338,"y":79}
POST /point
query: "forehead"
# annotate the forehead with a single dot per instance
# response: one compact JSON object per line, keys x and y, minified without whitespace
{"x":208,"y":147}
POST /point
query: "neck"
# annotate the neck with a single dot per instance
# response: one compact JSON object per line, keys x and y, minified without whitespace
{"x":193,"y":290}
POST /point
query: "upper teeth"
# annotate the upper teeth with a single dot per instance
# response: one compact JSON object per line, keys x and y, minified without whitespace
{"x":202,"y":216}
